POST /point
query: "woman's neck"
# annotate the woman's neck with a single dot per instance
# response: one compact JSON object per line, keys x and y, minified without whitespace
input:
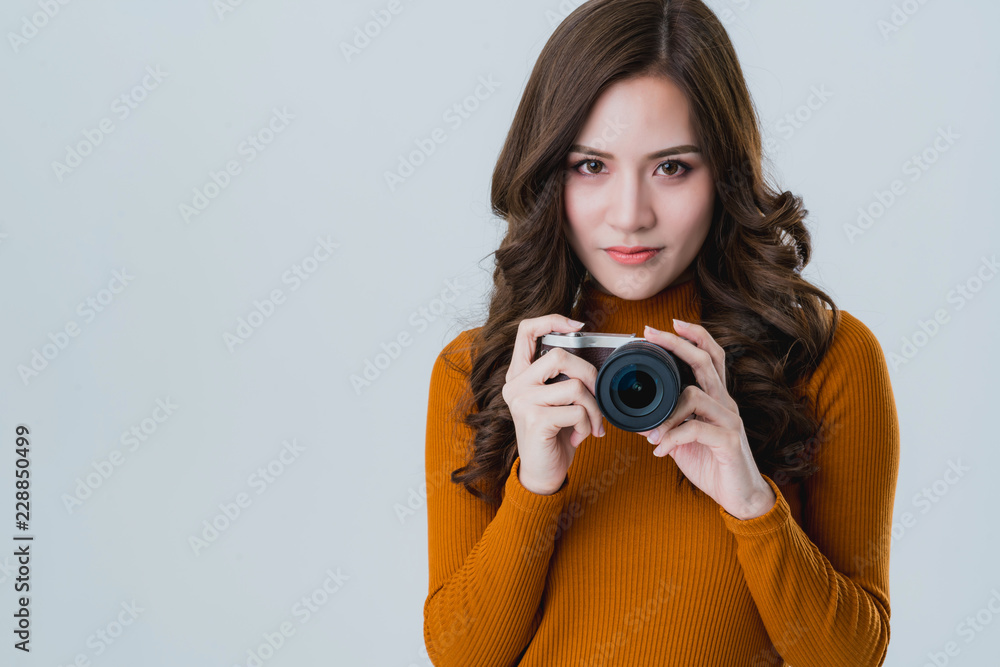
{"x":604,"y":312}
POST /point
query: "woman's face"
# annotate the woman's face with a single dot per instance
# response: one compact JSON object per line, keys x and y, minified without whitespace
{"x":635,"y":178}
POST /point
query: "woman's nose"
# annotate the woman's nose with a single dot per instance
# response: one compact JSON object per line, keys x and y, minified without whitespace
{"x":630,"y":209}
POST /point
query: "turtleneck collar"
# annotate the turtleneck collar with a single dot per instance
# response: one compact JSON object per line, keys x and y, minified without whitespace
{"x":608,"y":313}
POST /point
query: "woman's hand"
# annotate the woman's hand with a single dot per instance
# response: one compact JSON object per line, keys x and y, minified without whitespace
{"x":550,"y":420}
{"x":711,"y":449}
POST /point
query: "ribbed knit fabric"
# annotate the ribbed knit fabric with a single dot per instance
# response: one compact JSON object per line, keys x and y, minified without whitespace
{"x":623,"y":566}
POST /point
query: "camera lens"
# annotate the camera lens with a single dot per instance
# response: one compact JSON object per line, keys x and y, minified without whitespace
{"x":638,"y":386}
{"x":635,"y":388}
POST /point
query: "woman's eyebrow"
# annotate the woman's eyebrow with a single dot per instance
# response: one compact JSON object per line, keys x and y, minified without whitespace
{"x":666,"y":152}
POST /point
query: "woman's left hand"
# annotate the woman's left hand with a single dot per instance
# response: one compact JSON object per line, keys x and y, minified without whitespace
{"x":711,"y":449}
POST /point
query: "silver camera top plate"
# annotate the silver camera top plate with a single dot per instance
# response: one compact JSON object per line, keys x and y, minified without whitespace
{"x":581,"y":339}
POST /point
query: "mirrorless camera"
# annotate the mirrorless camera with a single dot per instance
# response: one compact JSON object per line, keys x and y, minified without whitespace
{"x":638,"y":382}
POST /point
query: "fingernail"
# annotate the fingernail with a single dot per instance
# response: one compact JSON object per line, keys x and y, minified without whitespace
{"x":602,"y":432}
{"x":575,"y":323}
{"x":654,"y":438}
{"x":680,"y":323}
{"x":649,"y":328}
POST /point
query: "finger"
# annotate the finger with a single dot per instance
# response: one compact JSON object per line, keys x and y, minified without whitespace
{"x":684,"y":410}
{"x":700,"y":361}
{"x":694,"y":404}
{"x":694,"y":431}
{"x":649,"y":434}
{"x":700,"y":336}
{"x":575,"y":416}
{"x":568,"y":392}
{"x":524,"y":342}
{"x":558,"y":360}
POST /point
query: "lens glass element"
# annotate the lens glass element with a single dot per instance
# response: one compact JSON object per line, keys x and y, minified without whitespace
{"x":634,"y":387}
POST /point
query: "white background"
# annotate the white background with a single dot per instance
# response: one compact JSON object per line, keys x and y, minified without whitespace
{"x":335,"y":506}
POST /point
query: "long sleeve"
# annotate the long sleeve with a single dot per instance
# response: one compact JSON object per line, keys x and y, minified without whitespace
{"x":822,"y":589}
{"x":488,"y":565}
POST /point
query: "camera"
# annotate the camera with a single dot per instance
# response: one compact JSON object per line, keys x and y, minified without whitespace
{"x":638,"y":382}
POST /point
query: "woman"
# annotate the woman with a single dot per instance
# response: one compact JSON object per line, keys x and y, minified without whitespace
{"x":755,"y":528}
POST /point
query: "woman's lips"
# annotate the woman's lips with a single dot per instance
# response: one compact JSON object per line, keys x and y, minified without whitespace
{"x":631,"y":255}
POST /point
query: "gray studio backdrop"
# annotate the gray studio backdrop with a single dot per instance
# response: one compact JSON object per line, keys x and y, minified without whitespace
{"x":234,"y":236}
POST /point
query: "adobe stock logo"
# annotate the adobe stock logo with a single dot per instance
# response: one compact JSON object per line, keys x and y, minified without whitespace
{"x":122,"y":107}
{"x":104,"y":468}
{"x":900,"y":16}
{"x":88,"y":310}
{"x":223,"y":7}
{"x":796,"y":119}
{"x":105,"y":636}
{"x":264,"y":309}
{"x":304,"y":609}
{"x":30,"y":27}
{"x":363,"y":35}
{"x":960,"y":295}
{"x":420,"y":319}
{"x":915,"y":167}
{"x":231,"y":509}
{"x":455,"y":115}
{"x":727,"y":15}
{"x":969,"y":628}
{"x":218,"y":181}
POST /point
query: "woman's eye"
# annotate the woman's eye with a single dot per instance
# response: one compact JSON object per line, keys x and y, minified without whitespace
{"x":586,"y":164}
{"x":669,"y":168}
{"x":677,"y":166}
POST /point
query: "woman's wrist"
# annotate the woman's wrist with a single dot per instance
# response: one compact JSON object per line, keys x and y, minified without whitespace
{"x":541,"y":489}
{"x":759,"y":504}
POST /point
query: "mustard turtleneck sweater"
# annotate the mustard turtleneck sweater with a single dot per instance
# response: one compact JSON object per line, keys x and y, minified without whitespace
{"x":622,"y":566}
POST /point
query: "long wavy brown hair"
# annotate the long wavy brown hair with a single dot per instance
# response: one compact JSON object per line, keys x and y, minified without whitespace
{"x":771,"y":322}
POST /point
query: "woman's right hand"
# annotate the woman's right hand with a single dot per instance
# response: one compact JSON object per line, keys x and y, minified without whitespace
{"x":550,"y":420}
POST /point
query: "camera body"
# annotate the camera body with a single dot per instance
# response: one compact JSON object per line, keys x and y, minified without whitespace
{"x":638,"y":382}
